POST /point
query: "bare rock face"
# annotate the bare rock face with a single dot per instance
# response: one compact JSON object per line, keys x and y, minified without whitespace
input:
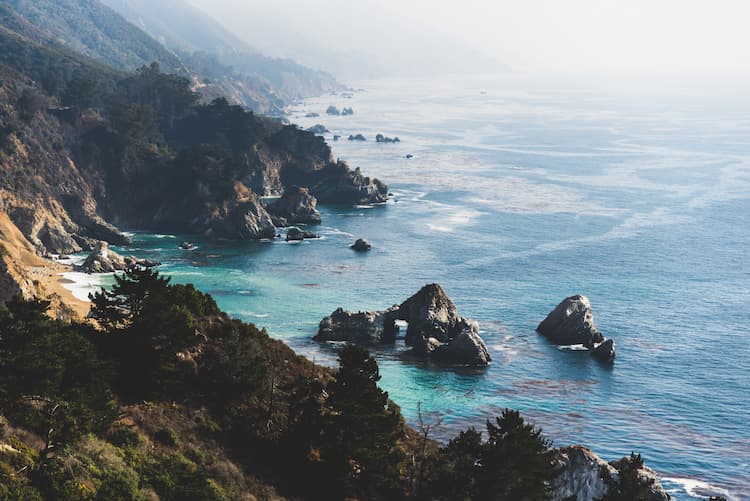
{"x":364,"y":327}
{"x":435,"y":330}
{"x":361,"y":245}
{"x":571,"y":322}
{"x":581,"y":476}
{"x":336,"y":183}
{"x":296,"y":206}
{"x":104,"y":260}
{"x":295,"y":234}
{"x":241,"y":218}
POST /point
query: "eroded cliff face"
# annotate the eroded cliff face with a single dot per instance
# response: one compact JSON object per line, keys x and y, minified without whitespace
{"x":41,"y":188}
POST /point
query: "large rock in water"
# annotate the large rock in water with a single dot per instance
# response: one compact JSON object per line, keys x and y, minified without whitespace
{"x":296,"y":206}
{"x":430,"y":313}
{"x":581,"y":476}
{"x":435,"y":329}
{"x":604,"y":351}
{"x":104,"y":260}
{"x":364,"y":327}
{"x":571,"y":322}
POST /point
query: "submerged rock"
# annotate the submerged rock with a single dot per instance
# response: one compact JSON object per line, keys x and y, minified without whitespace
{"x":435,"y":330}
{"x":312,"y":114}
{"x":361,"y":245}
{"x":104,"y":260}
{"x":295,"y":233}
{"x":571,"y":322}
{"x":296,"y":206}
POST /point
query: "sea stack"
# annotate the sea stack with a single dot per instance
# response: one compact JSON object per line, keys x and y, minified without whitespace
{"x":572,"y":323}
{"x":435,"y":330}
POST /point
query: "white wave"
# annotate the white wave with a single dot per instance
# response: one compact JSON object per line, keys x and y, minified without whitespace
{"x":573,"y":347}
{"x":81,"y":284}
{"x":699,"y":488}
{"x":253,"y":314}
{"x":158,"y":235}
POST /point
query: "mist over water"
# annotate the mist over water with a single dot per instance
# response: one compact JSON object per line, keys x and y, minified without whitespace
{"x":514,"y":200}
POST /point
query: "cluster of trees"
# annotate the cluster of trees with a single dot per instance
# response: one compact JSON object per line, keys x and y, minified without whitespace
{"x":308,"y":431}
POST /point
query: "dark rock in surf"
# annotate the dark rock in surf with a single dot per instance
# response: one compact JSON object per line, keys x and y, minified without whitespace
{"x":358,"y":137}
{"x":604,"y":351}
{"x":295,"y":234}
{"x":361,"y":245}
{"x":571,"y":322}
{"x":364,"y":327}
{"x":318,"y":129}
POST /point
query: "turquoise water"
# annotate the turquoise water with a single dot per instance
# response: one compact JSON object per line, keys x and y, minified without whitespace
{"x":513,"y":201}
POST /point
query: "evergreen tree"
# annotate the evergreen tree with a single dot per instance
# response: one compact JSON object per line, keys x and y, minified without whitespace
{"x":517,"y":461}
{"x":630,"y":485}
{"x":361,"y":432}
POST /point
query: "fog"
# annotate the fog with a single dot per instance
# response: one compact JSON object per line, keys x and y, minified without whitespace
{"x":690,"y":42}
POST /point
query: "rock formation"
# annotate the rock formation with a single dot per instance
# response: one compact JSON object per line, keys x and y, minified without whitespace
{"x":361,"y":245}
{"x":364,"y":327}
{"x":296,"y":206}
{"x":332,"y":110}
{"x":572,"y":323}
{"x":435,"y":330}
{"x":357,"y":137}
{"x":582,"y":473}
{"x":380,"y":138}
{"x":337,"y":184}
{"x":104,"y":260}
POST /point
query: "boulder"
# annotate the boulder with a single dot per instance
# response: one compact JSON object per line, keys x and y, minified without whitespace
{"x":361,"y":245}
{"x":295,"y":234}
{"x":347,"y":111}
{"x":332,"y":110}
{"x":364,"y":327}
{"x":571,"y":322}
{"x":358,"y":137}
{"x":336,"y":137}
{"x":312,"y":114}
{"x":104,"y":260}
{"x":296,"y":206}
{"x":604,"y":351}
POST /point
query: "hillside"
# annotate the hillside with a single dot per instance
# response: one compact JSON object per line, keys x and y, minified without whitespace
{"x":94,"y":30}
{"x":212,"y":50}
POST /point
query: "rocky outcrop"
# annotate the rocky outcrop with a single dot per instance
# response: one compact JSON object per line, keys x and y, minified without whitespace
{"x":361,"y":245}
{"x":318,"y":129}
{"x":571,"y":322}
{"x":357,"y":137}
{"x":312,"y":114}
{"x":435,"y":330}
{"x":241,"y":218}
{"x":581,"y":476}
{"x":380,"y":138}
{"x":338,"y":184}
{"x":364,"y":327}
{"x":104,"y":260}
{"x":332,"y":110}
{"x":296,"y":206}
{"x":295,"y":234}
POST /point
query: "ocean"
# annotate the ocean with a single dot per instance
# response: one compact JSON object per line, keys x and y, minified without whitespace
{"x":514,"y":200}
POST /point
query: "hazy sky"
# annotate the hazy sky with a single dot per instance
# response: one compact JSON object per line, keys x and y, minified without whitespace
{"x":643,"y":39}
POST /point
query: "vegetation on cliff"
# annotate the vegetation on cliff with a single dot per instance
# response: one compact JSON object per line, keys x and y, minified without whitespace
{"x":169,"y":397}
